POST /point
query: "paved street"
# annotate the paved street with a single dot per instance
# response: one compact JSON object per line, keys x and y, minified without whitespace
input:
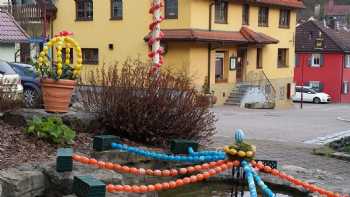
{"x":280,"y":135}
{"x":293,"y":125}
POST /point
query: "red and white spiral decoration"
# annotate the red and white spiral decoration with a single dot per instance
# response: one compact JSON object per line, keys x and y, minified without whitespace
{"x":156,"y":35}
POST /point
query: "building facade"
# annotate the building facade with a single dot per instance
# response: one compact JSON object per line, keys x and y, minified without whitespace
{"x":219,"y":44}
{"x":339,"y":13}
{"x":323,"y":59}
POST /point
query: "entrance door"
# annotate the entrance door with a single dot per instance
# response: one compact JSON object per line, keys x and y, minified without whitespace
{"x":219,"y":66}
{"x":242,"y":59}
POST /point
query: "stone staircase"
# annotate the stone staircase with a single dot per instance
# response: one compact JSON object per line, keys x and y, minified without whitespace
{"x":237,"y":94}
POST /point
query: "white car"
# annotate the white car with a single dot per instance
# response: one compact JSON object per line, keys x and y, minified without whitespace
{"x":10,"y":81}
{"x":310,"y":95}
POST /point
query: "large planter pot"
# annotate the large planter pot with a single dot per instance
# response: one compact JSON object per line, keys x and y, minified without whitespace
{"x":57,"y":94}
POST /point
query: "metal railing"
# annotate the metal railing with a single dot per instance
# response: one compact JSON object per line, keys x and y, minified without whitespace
{"x":25,"y":13}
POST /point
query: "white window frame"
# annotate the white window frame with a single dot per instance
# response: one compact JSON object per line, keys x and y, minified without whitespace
{"x":313,"y":58}
{"x":345,"y":87}
{"x":314,"y":84}
{"x":347,"y":61}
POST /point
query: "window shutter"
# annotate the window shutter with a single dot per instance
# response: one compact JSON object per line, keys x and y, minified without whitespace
{"x":322,"y":60}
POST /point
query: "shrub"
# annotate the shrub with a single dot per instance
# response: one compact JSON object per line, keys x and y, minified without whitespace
{"x":51,"y":128}
{"x":9,"y":101}
{"x":147,"y":109}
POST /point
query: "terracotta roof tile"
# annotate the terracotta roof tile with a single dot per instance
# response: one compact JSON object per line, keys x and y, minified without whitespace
{"x":285,"y":3}
{"x":10,"y":30}
{"x":256,"y":37}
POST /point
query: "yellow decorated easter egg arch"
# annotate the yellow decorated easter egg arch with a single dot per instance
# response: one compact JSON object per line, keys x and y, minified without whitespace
{"x":61,"y":42}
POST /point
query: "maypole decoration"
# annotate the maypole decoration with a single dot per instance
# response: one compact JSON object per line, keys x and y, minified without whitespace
{"x":206,"y":164}
{"x":156,"y":35}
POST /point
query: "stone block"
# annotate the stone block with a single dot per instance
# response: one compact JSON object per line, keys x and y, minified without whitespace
{"x":88,"y":186}
{"x":17,"y":183}
{"x":104,"y":142}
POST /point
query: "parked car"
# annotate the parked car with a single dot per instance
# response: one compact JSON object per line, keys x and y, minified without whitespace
{"x":310,"y":95}
{"x":30,"y":83}
{"x":10,"y":81}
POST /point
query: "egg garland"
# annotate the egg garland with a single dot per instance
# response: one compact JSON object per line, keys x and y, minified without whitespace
{"x":166,"y":157}
{"x":59,"y":42}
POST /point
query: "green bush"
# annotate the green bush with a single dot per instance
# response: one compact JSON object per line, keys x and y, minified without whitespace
{"x":51,"y":128}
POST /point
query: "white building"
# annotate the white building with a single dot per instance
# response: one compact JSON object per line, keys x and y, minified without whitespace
{"x":11,"y":34}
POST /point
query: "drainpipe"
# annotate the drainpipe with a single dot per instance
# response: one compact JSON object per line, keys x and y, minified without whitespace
{"x":209,"y":44}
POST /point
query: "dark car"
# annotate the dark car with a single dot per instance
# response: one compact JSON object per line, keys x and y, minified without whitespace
{"x":30,"y":83}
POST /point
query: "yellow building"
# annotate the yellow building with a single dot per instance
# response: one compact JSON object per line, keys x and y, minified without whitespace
{"x":235,"y":45}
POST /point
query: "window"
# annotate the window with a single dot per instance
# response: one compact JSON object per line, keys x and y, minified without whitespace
{"x":263,"y":16}
{"x":116,"y":9}
{"x":259,"y":58}
{"x":171,"y":9}
{"x":284,"y":18}
{"x":282,"y":59}
{"x":345,"y":87}
{"x":64,"y":52}
{"x":221,"y":9}
{"x":316,"y":60}
{"x":90,"y":56}
{"x":316,"y":85}
{"x":219,"y":66}
{"x":347,"y":61}
{"x":84,"y":10}
{"x":245,"y":14}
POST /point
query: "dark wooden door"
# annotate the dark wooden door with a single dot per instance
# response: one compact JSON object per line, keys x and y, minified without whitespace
{"x":242,"y":59}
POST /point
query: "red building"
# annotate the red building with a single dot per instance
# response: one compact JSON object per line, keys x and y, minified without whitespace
{"x":323,"y":59}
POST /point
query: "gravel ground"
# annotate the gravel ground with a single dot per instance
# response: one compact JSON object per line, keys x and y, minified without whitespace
{"x":16,"y":147}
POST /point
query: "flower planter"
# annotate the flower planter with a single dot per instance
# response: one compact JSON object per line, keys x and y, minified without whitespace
{"x":57,"y":94}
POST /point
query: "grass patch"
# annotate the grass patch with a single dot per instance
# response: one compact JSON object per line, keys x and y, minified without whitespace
{"x":324,"y":151}
{"x":347,"y":149}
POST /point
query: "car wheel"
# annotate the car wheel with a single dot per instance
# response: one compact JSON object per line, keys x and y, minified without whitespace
{"x":31,"y":98}
{"x":317,"y":100}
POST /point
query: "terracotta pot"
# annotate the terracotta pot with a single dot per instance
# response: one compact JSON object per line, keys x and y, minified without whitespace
{"x":57,"y":94}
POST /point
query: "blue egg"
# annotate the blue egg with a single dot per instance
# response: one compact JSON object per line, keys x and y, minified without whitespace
{"x":239,"y":136}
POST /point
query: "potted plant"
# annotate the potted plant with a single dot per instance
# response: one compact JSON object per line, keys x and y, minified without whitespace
{"x":58,"y":76}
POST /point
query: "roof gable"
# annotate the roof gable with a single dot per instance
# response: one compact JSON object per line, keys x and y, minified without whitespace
{"x":334,"y":40}
{"x":10,"y":30}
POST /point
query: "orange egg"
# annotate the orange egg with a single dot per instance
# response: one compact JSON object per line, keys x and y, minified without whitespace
{"x":117,"y":167}
{"x":212,"y":164}
{"x":110,"y":188}
{"x":200,"y":177}
{"x":143,"y":188}
{"x":237,"y":163}
{"x":85,"y":160}
{"x":127,"y":188}
{"x":158,"y":186}
{"x":76,"y":157}
{"x":101,"y":164}
{"x":141,"y":171}
{"x":135,"y":189}
{"x":253,"y":163}
{"x":267,"y":169}
{"x":109,"y":166}
{"x":193,"y":179}
{"x":183,"y":171}
{"x":212,"y":172}
{"x":93,"y":162}
{"x":218,"y":170}
{"x":220,"y":162}
{"x":191,"y":169}
{"x":198,"y":167}
{"x":118,"y":188}
{"x":172,"y":184}
{"x":187,"y":180}
{"x":151,"y":188}
{"x":165,"y":173}
{"x":158,"y":173}
{"x":179,"y":182}
{"x":206,"y":175}
{"x":205,"y":166}
{"x":260,"y":165}
{"x":173,"y":172}
{"x":125,"y":169}
{"x":230,"y":164}
{"x":134,"y":170}
{"x":166,"y":186}
{"x":224,"y":167}
{"x":275,"y":172}
{"x":149,"y":172}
